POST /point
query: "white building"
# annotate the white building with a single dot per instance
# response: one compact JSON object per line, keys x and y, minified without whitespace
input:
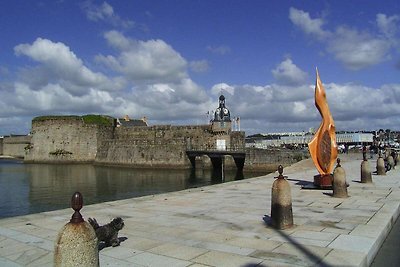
{"x":302,"y":139}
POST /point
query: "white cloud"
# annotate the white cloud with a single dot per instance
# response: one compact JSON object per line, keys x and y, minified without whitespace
{"x":356,"y":49}
{"x":152,"y":60}
{"x":199,"y":66}
{"x":57,"y":82}
{"x":53,"y":98}
{"x":276,"y":107}
{"x":288,"y":73}
{"x":58,"y":62}
{"x":105,"y":12}
{"x":118,"y":40}
{"x":223,"y":88}
{"x":307,"y":24}
{"x":387,"y":25}
{"x":262,"y":108}
{"x":158,"y":71}
{"x":64,"y":85}
{"x":221,"y":50}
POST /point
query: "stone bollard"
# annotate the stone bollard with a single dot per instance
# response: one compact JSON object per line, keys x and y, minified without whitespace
{"x":396,"y":158}
{"x":366,"y":175}
{"x":390,"y":162}
{"x":339,"y":184}
{"x":380,"y":165}
{"x":281,"y":203}
{"x":77,"y":242}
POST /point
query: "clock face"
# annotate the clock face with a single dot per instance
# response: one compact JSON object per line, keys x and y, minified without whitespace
{"x":225,"y":111}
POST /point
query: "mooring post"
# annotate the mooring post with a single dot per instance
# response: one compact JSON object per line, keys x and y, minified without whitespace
{"x":366,"y":176}
{"x":223,"y":168}
{"x":339,"y":184}
{"x":76,"y":244}
{"x":281,"y":202}
{"x":390,"y":162}
{"x":380,"y":165}
{"x":396,"y":158}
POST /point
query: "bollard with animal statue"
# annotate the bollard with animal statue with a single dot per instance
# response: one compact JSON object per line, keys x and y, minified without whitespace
{"x":76,"y":244}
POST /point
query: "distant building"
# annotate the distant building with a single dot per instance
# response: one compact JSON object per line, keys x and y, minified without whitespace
{"x":128,"y":122}
{"x":356,"y":138}
{"x":303,"y":138}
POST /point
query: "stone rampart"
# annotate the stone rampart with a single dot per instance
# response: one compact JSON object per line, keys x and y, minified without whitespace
{"x":143,"y":154}
{"x":160,"y":146}
{"x":269,"y":159}
{"x":70,"y":139}
{"x":1,"y":146}
{"x":66,"y":140}
{"x":15,"y":146}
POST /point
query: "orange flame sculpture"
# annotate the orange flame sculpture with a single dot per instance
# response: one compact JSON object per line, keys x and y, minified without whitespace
{"x":323,"y":147}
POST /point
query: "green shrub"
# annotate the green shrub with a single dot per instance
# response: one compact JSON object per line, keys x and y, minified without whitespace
{"x":89,"y":119}
{"x":97,"y":119}
{"x":51,"y":117}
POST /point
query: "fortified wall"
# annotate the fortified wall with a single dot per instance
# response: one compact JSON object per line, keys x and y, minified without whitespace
{"x":65,"y":139}
{"x":14,"y":146}
{"x":58,"y":139}
{"x":269,"y":159}
{"x":161,"y":146}
{"x":76,"y":139}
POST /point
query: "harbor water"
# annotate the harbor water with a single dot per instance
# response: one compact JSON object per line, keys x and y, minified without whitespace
{"x":33,"y":188}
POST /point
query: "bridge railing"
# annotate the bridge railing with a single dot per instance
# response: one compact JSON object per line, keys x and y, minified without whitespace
{"x":215,"y":148}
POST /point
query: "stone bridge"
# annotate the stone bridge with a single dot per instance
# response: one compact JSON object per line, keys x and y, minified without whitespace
{"x":217,"y":157}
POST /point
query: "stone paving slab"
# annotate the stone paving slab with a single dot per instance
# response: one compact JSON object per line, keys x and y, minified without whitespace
{"x":222,"y":225}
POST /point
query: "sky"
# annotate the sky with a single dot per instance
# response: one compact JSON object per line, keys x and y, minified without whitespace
{"x":170,"y":60}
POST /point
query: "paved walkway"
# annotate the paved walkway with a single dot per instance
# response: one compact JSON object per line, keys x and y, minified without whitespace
{"x":388,"y":254}
{"x":222,"y":225}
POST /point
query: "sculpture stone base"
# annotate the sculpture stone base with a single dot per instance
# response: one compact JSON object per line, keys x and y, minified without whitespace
{"x":323,"y":181}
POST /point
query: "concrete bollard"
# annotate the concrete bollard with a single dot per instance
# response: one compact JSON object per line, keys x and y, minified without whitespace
{"x":339,"y":184}
{"x":76,"y":243}
{"x":380,"y":165}
{"x":281,"y":203}
{"x":366,"y":175}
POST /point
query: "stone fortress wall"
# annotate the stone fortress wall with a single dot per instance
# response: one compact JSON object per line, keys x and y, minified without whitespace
{"x":14,"y":145}
{"x":59,"y":139}
{"x":269,"y":159}
{"x":157,"y":146}
{"x":164,"y":146}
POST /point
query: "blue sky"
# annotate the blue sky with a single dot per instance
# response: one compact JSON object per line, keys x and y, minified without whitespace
{"x":170,"y":60}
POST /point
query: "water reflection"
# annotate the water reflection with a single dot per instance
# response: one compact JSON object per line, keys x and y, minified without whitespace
{"x":31,"y":188}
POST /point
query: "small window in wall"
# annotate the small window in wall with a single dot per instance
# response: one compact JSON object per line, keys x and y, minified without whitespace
{"x":221,"y":144}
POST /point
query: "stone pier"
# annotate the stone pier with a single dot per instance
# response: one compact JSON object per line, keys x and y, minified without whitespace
{"x":222,"y":225}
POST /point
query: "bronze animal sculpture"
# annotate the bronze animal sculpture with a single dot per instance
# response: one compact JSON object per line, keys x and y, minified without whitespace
{"x":108,"y":233}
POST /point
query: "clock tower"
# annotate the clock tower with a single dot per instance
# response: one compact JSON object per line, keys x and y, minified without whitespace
{"x":222,"y":113}
{"x":222,"y":118}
